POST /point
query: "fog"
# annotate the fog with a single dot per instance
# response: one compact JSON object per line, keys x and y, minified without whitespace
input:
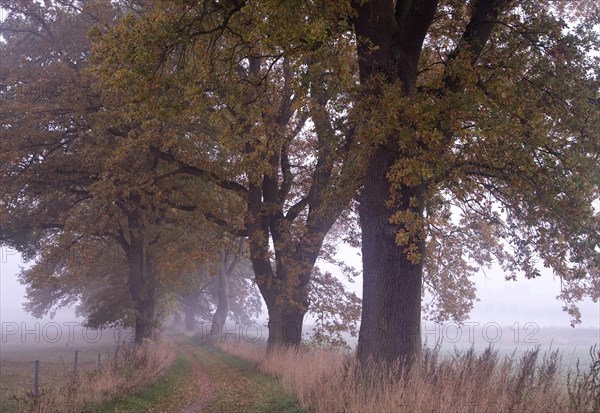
{"x":502,"y":302}
{"x":507,"y":302}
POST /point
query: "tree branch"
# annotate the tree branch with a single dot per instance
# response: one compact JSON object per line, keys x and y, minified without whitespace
{"x":414,"y":18}
{"x":479,"y":28}
{"x":295,"y":209}
{"x":195,"y":171}
{"x":225,"y":225}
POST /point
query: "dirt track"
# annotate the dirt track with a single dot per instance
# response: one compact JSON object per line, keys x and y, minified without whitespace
{"x":223,"y":383}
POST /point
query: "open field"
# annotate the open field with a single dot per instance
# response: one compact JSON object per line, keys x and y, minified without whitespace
{"x":107,"y":367}
{"x":573,"y":343}
{"x":57,"y":357}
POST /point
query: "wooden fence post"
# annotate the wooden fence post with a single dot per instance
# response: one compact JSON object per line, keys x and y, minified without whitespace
{"x":36,"y":378}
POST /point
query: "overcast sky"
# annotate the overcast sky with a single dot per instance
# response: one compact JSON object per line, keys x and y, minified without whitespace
{"x":501,"y":301}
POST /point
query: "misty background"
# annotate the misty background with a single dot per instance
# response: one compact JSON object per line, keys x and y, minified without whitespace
{"x":500,"y":301}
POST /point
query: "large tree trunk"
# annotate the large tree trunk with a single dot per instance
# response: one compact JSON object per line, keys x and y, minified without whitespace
{"x":145,"y":321}
{"x":296,"y":240}
{"x":390,"y":35}
{"x":391,"y":312}
{"x":286,"y":296}
{"x":142,"y":286}
{"x":285,"y":326}
{"x":285,"y":320}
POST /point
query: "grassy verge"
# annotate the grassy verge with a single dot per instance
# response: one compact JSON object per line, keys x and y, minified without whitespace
{"x":156,"y":397}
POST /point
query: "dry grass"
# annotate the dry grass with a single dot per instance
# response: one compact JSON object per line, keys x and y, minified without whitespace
{"x":327,"y":381}
{"x":130,"y":368}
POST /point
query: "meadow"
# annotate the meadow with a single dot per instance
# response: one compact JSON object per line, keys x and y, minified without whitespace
{"x":107,"y":367}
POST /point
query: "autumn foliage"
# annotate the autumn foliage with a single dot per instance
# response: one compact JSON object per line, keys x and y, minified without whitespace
{"x":454,"y":135}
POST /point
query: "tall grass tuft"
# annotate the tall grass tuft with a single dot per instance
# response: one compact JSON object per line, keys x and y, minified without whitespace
{"x":584,"y":386}
{"x":130,"y":368}
{"x":330,"y":381}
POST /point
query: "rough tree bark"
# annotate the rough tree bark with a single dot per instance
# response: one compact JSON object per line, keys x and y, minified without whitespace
{"x":142,"y":277}
{"x":286,"y":305}
{"x":284,"y":286}
{"x":391,"y":315}
{"x":142,"y":286}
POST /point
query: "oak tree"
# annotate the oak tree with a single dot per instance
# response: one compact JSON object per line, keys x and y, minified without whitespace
{"x":255,"y":108}
{"x":69,"y":175}
{"x":482,"y":119}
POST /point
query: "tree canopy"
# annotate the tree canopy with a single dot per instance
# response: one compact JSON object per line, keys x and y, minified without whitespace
{"x":459,"y":134}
